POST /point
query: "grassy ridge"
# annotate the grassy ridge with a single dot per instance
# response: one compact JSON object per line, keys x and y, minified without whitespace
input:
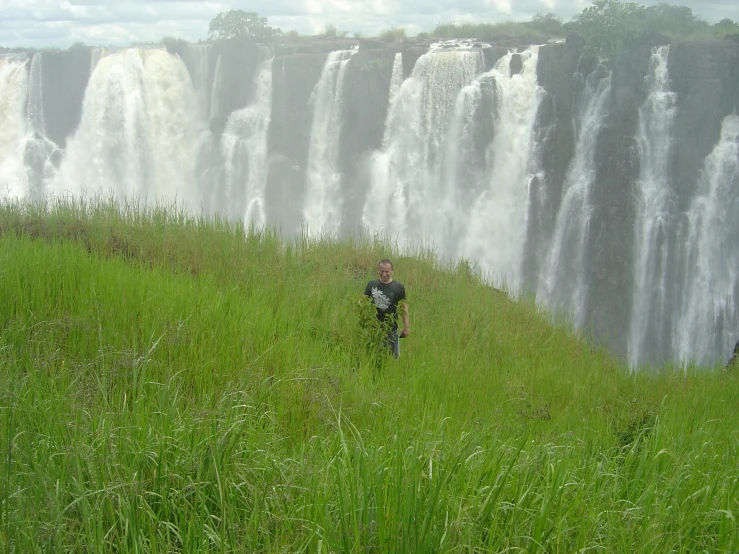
{"x":169,"y":384}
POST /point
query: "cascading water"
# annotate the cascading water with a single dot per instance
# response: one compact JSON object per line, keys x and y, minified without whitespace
{"x":322,"y":212}
{"x":244,"y":149}
{"x":709,"y":316}
{"x":655,"y":212}
{"x":496,"y":234}
{"x":214,"y":108}
{"x":407,"y":192}
{"x":481,"y":165}
{"x":396,"y":78}
{"x":563,"y":285}
{"x":137,"y":136}
{"x":196,"y":58}
{"x":40,"y":152}
{"x":13,"y":97}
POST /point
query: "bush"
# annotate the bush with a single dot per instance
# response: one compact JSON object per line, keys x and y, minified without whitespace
{"x":392,"y":34}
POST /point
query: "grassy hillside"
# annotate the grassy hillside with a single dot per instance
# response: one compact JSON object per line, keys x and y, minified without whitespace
{"x":169,"y":384}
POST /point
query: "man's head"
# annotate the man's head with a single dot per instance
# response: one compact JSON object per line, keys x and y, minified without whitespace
{"x":385,"y":269}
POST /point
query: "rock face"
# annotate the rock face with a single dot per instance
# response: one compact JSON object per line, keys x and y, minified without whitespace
{"x":295,"y":76}
{"x":702,"y":75}
{"x":69,"y":71}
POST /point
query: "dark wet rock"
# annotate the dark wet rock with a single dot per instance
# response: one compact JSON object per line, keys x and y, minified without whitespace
{"x":516,"y":64}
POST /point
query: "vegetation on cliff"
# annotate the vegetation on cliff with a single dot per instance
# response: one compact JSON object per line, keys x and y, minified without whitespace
{"x":605,"y":27}
{"x":175,"y":384}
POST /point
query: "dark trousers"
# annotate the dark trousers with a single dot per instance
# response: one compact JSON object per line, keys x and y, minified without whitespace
{"x":392,"y":343}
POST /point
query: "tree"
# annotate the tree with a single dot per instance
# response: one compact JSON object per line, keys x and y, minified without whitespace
{"x":609,"y":25}
{"x":725,"y":27}
{"x":240,"y":24}
{"x":675,"y":21}
{"x":549,"y":24}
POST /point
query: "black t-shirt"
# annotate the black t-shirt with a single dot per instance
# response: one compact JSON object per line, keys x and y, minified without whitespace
{"x":385,"y":297}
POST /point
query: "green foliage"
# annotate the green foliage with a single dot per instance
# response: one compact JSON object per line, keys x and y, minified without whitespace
{"x":549,"y":24}
{"x":609,"y":26}
{"x":371,"y":332}
{"x":671,"y":20}
{"x":725,"y":27}
{"x":240,"y":24}
{"x":390,"y":35}
{"x":330,"y":31}
{"x":173,"y":41}
{"x":505,"y":32}
{"x":606,"y":27}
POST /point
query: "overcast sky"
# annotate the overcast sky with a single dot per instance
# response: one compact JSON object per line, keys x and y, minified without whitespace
{"x":60,"y":23}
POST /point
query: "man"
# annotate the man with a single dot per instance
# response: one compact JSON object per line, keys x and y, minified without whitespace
{"x":386,"y":294}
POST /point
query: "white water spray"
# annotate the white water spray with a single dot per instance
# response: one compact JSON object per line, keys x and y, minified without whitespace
{"x":13,"y":97}
{"x":654,"y":214}
{"x":39,"y":149}
{"x":563,"y":284}
{"x":496,"y":234}
{"x":244,"y":149}
{"x":323,"y":198}
{"x":396,"y":78}
{"x":406,"y":196}
{"x":198,"y":55}
{"x":709,"y":320}
{"x":137,"y":135}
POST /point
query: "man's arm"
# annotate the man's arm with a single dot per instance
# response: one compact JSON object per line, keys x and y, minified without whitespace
{"x":406,"y":321}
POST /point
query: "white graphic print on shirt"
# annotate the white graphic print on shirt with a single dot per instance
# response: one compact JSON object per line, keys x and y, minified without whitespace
{"x":379,"y":298}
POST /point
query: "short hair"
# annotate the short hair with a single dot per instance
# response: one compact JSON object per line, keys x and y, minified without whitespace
{"x":385,"y":261}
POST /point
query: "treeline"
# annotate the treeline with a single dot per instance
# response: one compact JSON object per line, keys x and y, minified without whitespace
{"x":606,"y":26}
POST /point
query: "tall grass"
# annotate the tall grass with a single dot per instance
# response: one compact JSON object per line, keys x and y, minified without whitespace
{"x":178,"y":384}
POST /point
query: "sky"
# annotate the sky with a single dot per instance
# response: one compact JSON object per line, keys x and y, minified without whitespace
{"x":61,"y":23}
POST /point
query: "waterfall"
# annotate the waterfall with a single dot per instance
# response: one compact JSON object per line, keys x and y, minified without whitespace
{"x":496,"y":234}
{"x":322,"y":211}
{"x":563,"y":282}
{"x":244,"y":149}
{"x":35,"y":108}
{"x":709,"y":317}
{"x":137,"y":137}
{"x":475,"y":160}
{"x":407,"y":194}
{"x":196,"y":59}
{"x":214,"y":106}
{"x":13,"y":97}
{"x":40,"y":152}
{"x":655,"y":213}
{"x":396,"y":78}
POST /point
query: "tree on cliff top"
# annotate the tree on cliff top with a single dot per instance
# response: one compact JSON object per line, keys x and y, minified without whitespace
{"x":240,"y":24}
{"x":609,"y":26}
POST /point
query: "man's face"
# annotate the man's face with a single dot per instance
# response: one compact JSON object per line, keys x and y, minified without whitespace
{"x":386,"y":272}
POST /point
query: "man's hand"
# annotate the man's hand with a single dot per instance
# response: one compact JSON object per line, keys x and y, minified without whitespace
{"x":406,"y":321}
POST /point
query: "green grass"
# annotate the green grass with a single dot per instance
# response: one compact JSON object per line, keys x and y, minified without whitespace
{"x":175,"y":384}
